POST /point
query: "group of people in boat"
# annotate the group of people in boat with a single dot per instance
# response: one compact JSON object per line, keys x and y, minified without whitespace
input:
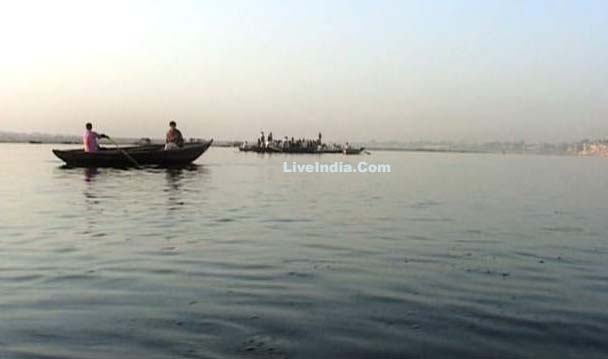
{"x":291,"y":144}
{"x":173,"y":139}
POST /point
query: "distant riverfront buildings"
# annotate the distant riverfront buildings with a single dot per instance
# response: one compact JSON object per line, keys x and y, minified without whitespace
{"x":598,"y":147}
{"x":589,"y":148}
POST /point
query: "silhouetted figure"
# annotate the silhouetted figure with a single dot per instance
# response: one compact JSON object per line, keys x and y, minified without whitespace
{"x":174,"y":138}
{"x":89,"y":139}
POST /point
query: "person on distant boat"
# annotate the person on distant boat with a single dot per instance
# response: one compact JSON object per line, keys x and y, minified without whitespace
{"x":174,"y":137}
{"x":263,"y":139}
{"x":89,"y":139}
{"x":270,"y":138}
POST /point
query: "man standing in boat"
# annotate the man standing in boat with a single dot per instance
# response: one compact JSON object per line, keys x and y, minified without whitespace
{"x":89,"y":139}
{"x":174,"y":138}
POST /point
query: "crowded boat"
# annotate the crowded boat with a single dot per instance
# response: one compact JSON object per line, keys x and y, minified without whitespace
{"x":270,"y":144}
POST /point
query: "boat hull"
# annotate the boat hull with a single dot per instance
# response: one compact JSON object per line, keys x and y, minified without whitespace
{"x":143,"y":155}
{"x":349,"y":151}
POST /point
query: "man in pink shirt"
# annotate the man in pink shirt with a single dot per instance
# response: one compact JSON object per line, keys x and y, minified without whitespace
{"x":90,"y":139}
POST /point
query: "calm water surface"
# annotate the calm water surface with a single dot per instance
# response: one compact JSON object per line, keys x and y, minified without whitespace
{"x":450,"y":255}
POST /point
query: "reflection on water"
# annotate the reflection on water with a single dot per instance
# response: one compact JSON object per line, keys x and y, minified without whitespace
{"x":232,"y":258}
{"x":174,"y":176}
{"x":177,"y":177}
{"x":90,"y":173}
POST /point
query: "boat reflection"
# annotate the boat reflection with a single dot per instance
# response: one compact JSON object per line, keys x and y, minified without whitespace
{"x":177,"y":187}
{"x":90,"y":173}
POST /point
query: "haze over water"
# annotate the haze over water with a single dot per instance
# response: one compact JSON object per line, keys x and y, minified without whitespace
{"x":356,"y":70}
{"x":450,"y":255}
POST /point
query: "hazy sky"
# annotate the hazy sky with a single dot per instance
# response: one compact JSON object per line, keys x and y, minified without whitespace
{"x":359,"y":70}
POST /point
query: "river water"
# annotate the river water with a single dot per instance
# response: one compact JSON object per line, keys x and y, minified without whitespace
{"x":449,"y":255}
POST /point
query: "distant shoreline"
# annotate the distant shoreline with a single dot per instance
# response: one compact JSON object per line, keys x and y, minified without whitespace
{"x":120,"y":141}
{"x":585,"y":148}
{"x":423,"y":150}
{"x":234,"y":144}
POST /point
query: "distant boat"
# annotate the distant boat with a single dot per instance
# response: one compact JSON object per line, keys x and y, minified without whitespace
{"x":258,"y":149}
{"x":144,"y":141}
{"x":33,"y":142}
{"x":296,"y":150}
{"x":354,"y":151}
{"x":143,"y":155}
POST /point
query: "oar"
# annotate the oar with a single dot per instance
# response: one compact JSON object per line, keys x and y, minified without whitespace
{"x":124,"y":152}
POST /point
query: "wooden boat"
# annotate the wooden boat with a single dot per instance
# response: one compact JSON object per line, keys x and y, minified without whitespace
{"x":272,"y":149}
{"x":354,"y":151}
{"x":258,"y":149}
{"x":143,"y":155}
